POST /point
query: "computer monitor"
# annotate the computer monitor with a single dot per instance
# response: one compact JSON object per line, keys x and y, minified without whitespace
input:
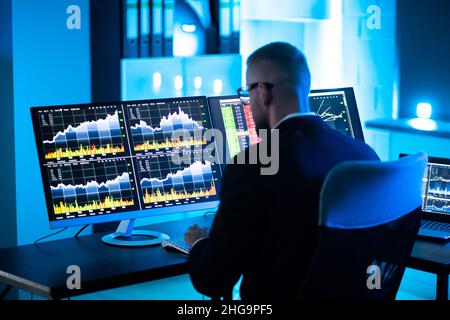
{"x":337,"y":107}
{"x":121,"y":161}
{"x":234,"y":120}
{"x":436,"y":189}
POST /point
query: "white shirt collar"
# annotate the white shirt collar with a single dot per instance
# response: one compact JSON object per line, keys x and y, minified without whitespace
{"x":294,"y":115}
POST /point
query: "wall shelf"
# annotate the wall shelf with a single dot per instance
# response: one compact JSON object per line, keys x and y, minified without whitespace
{"x":432,"y":128}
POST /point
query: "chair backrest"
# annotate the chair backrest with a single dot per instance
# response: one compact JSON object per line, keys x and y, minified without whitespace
{"x":369,"y":219}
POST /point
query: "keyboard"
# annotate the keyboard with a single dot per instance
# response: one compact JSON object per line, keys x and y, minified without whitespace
{"x":179,"y":245}
{"x":435,"y":230}
{"x":436,"y":226}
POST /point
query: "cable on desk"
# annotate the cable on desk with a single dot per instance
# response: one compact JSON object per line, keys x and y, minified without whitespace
{"x":80,"y":231}
{"x":50,"y":235}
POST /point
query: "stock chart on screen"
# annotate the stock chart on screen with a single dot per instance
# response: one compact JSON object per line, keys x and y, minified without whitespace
{"x":332,"y":107}
{"x":240,"y":128}
{"x":161,"y":180}
{"x":235,"y":120}
{"x":437,"y":189}
{"x":105,"y":159}
{"x":87,"y":186}
{"x":82,"y":132}
{"x":152,"y":124}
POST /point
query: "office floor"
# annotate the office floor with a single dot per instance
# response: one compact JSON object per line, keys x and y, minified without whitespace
{"x":416,"y":285}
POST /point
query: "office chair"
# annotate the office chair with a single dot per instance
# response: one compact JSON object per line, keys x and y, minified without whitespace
{"x":368,"y":219}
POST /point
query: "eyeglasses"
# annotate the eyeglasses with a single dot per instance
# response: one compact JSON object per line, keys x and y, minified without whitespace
{"x":244,"y":92}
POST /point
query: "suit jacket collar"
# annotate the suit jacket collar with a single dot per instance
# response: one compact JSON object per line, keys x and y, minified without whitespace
{"x":292,"y":116}
{"x":300,"y":121}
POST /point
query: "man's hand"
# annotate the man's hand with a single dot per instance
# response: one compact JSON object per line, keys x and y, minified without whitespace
{"x":195,"y":233}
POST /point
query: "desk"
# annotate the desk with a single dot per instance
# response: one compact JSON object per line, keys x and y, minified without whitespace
{"x":42,"y":269}
{"x":433,"y":257}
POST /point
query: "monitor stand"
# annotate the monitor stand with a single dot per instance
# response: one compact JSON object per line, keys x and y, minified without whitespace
{"x":125,"y":236}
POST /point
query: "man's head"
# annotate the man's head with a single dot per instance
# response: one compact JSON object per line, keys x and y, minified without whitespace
{"x":280,"y":83}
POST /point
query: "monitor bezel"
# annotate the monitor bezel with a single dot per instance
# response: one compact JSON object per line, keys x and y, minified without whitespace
{"x":434,"y":216}
{"x":127,"y":215}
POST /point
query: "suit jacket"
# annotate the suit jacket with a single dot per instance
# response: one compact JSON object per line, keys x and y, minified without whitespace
{"x":265,"y":228}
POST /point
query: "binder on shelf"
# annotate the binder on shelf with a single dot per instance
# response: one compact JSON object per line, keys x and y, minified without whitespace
{"x":130,"y":33}
{"x":236,"y":26}
{"x":169,"y":10}
{"x":145,"y":30}
{"x":225,"y":26}
{"x":157,"y":28}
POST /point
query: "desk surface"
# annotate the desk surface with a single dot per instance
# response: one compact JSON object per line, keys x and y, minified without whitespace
{"x":430,"y":256}
{"x":42,"y":269}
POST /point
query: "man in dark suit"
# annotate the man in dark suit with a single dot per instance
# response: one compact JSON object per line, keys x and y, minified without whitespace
{"x":265,"y":228}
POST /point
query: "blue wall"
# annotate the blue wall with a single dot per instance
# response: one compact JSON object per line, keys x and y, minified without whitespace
{"x":424,"y":44}
{"x":51,"y":67}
